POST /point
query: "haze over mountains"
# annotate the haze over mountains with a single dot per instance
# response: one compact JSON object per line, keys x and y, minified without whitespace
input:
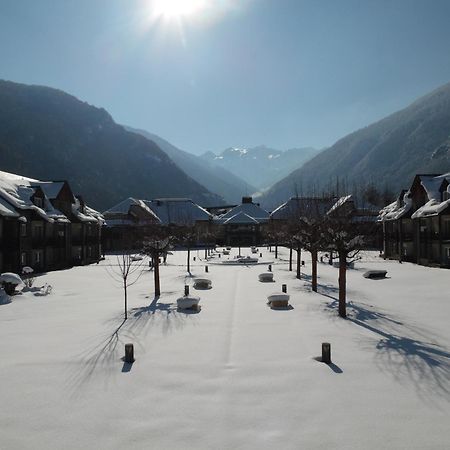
{"x":389,"y":152}
{"x":215,"y":178}
{"x":261,"y":166}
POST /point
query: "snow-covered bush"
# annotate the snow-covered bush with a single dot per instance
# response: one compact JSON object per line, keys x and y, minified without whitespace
{"x":27,"y":275}
{"x":9,"y":281}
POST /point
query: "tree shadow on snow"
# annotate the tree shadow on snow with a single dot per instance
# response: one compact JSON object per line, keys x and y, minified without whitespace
{"x":102,"y":356}
{"x":408,"y":353}
{"x":158,"y":314}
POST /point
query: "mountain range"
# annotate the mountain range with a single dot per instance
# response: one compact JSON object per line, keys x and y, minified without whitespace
{"x":260,"y":166}
{"x":215,"y":178}
{"x":48,"y":134}
{"x":388,"y":153}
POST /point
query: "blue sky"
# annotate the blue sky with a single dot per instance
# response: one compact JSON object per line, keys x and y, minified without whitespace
{"x":285,"y":73}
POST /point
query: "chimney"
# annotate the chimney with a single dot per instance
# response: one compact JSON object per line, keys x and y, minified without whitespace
{"x":247,"y":200}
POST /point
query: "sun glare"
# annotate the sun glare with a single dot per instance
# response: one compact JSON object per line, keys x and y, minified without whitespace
{"x":172,"y":9}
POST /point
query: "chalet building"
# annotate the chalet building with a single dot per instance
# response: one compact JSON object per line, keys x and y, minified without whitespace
{"x":242,"y":225}
{"x":316,"y":207}
{"x":122,"y":221}
{"x":416,"y":227}
{"x":131,"y":216}
{"x":40,"y":223}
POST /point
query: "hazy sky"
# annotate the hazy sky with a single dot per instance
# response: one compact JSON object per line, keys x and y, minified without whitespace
{"x":286,"y":73}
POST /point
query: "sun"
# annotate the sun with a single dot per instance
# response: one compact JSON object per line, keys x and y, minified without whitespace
{"x":175,"y":9}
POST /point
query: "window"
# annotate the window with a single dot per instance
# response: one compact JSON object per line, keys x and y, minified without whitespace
{"x":445,"y":228}
{"x":37,"y":231}
{"x":23,"y":259}
{"x":61,"y":231}
{"x":37,"y":256}
{"x":23,"y":229}
{"x":39,"y":202}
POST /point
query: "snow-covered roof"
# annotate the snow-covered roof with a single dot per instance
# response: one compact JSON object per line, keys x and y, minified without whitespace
{"x":341,"y":201}
{"x":6,"y":210}
{"x":251,"y":210}
{"x":120,"y":213}
{"x":302,"y":206}
{"x":17,"y":192}
{"x":86,"y":214}
{"x":180,"y":211}
{"x":240,"y":218}
{"x":124,"y":207}
{"x":432,"y":186}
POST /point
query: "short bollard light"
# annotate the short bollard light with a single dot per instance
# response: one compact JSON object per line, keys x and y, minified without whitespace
{"x":284,"y":288}
{"x":260,"y":255}
{"x":326,"y":352}
{"x":186,"y":290}
{"x":129,"y":353}
{"x":270,"y":267}
{"x":303,"y":263}
{"x":194,"y":258}
{"x":206,"y":269}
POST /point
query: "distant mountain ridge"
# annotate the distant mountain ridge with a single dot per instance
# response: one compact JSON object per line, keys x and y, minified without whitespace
{"x":389,"y":152}
{"x":48,"y":134}
{"x":215,"y":178}
{"x":261,"y":166}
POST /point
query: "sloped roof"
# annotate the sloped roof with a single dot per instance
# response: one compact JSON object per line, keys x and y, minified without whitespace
{"x":179,"y":211}
{"x":240,"y":218}
{"x":120,"y":214}
{"x":18,"y":190}
{"x":124,"y":207}
{"x":6,"y":210}
{"x":251,"y":210}
{"x":341,"y":201}
{"x":432,"y":185}
{"x":302,"y":206}
{"x":51,"y":188}
{"x":434,"y":205}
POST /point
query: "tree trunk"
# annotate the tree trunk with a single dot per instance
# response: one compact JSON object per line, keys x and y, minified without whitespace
{"x":290,"y":259}
{"x":189,"y":260}
{"x":276,"y":251}
{"x":125,"y":297}
{"x":342,"y":284}
{"x":314,"y":269}
{"x":157,"y":285}
{"x":206,"y":252}
{"x":299,"y":255}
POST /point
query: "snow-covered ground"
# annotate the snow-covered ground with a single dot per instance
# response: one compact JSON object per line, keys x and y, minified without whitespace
{"x":236,"y":375}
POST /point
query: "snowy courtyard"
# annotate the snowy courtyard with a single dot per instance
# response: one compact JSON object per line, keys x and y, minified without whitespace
{"x":235,"y":375}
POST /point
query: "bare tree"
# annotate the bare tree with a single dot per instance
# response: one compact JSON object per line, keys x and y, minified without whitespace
{"x":187,"y":236}
{"x":313,"y":239}
{"x":347,"y":238}
{"x":156,"y":242}
{"x":128,"y":269}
